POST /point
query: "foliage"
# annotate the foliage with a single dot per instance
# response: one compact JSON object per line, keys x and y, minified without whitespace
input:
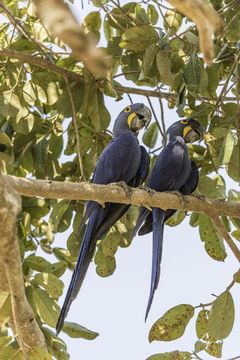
{"x":35,"y":131}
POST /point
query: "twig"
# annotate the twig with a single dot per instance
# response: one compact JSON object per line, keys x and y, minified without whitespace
{"x":220,"y":98}
{"x":218,"y":223}
{"x":155,"y":116}
{"x":83,"y":177}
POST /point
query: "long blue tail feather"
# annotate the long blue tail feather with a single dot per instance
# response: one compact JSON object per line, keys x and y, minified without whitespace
{"x":158,"y":222}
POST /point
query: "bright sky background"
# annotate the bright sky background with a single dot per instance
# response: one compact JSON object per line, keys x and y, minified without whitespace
{"x":115,"y":306}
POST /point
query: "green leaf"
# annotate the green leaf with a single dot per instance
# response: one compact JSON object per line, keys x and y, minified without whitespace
{"x":202,"y":323}
{"x":64,"y":255}
{"x":37,"y":353}
{"x":227,"y":148}
{"x":226,"y":223}
{"x":173,"y":355}
{"x":164,"y":67}
{"x":152,"y":14}
{"x":58,"y":212}
{"x":214,"y":188}
{"x":36,"y":262}
{"x":138,"y":38}
{"x":192,"y":73}
{"x":173,"y":20}
{"x":55,"y":345}
{"x":50,"y":283}
{"x":5,"y":307}
{"x":131,"y":65}
{"x":46,"y":307}
{"x":221,"y":316}
{"x":105,"y":264}
{"x":172,"y":324}
{"x":232,"y":167}
{"x":9,"y":104}
{"x":194,"y":220}
{"x":108,"y":30}
{"x":4,"y":139}
{"x":151,"y":135}
{"x":77,"y":331}
{"x":213,"y":241}
{"x":40,"y":155}
{"x":236,"y":234}
{"x":57,"y":268}
{"x":176,"y":218}
{"x":92,"y":21}
{"x":199,"y":346}
{"x":215,"y":349}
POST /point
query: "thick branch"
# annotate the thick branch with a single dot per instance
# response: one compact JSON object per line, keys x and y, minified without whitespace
{"x":207,"y":20}
{"x":116,"y":194}
{"x":24,"y":325}
{"x":60,"y":21}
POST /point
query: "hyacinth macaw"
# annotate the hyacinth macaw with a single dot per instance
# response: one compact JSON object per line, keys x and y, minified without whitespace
{"x":171,"y":171}
{"x":122,"y":160}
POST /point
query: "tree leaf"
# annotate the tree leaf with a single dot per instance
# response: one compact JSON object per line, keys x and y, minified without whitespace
{"x":232,"y":167}
{"x":138,"y":38}
{"x":50,"y":283}
{"x":213,"y":241}
{"x":192,"y":73}
{"x":173,"y":20}
{"x":37,"y":353}
{"x":36,"y":262}
{"x":202,"y":323}
{"x":221,"y":316}
{"x":164,"y":67}
{"x":55,"y":345}
{"x":173,"y":355}
{"x":77,"y":331}
{"x":150,"y":136}
{"x":227,"y":148}
{"x":172,"y":324}
{"x":152,"y":14}
{"x":57,"y":268}
{"x":176,"y":218}
{"x":46,"y":307}
{"x":212,"y":188}
{"x":215,"y":349}
{"x":5,"y":307}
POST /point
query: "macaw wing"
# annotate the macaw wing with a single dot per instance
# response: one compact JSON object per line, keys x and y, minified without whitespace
{"x":187,"y":189}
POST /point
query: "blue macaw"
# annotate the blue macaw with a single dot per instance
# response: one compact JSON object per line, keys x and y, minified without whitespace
{"x":172,"y":170}
{"x":122,"y":160}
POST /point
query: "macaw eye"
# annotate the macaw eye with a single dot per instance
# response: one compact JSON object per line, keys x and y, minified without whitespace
{"x":127,"y":109}
{"x":184,"y":121}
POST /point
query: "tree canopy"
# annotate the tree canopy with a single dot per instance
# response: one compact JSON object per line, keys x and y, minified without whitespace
{"x":54,"y":82}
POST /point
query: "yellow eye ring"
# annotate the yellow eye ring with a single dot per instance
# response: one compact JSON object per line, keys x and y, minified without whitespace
{"x":184,"y":121}
{"x":127,"y":109}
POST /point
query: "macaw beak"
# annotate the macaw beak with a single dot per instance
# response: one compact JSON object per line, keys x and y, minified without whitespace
{"x":196,"y":133}
{"x":144,"y":115}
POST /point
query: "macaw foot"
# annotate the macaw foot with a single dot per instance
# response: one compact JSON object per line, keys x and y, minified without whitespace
{"x":181,"y":197}
{"x":199,"y":196}
{"x":147,"y":189}
{"x":126,"y":188}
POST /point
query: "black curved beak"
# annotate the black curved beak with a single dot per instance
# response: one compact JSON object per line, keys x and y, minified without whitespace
{"x":144,"y":114}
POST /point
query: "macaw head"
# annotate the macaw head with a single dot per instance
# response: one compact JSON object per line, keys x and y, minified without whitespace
{"x":133,"y":117}
{"x":189,"y":129}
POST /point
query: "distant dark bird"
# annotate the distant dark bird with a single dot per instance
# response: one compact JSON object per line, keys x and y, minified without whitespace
{"x":122,"y":160}
{"x":172,"y":170}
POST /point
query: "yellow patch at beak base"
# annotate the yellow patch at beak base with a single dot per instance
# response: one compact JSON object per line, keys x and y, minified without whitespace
{"x":131,"y":116}
{"x":186,"y":130}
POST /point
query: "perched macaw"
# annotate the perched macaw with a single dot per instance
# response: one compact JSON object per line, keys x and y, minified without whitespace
{"x":171,"y":171}
{"x":122,"y":160}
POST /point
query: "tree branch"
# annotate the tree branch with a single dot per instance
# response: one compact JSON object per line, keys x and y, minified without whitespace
{"x":23,"y":323}
{"x":116,"y":194}
{"x":30,"y":59}
{"x":219,"y":225}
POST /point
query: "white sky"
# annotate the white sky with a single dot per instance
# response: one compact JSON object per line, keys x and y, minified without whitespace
{"x":115,"y":306}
